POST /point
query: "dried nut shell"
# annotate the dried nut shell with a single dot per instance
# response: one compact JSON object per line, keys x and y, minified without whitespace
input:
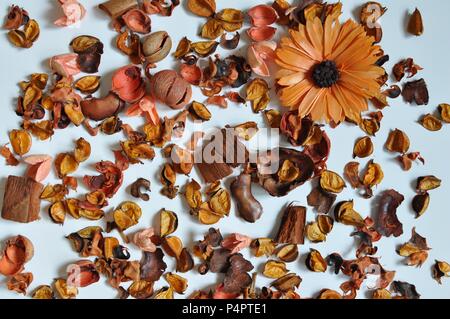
{"x":331,"y":182}
{"x":415,"y":25}
{"x":420,"y":203}
{"x":262,"y":15}
{"x":20,"y":141}
{"x":275,"y":269}
{"x":431,"y":123}
{"x":363,"y":147}
{"x":100,"y":109}
{"x":156,"y":46}
{"x":176,"y":282}
{"x":202,"y":8}
{"x":171,"y":89}
{"x":127,"y":215}
{"x":314,"y":234}
{"x":288,"y":253}
{"x":427,"y":183}
{"x":325,"y":223}
{"x":168,"y":222}
{"x":315,"y":262}
{"x":82,"y":150}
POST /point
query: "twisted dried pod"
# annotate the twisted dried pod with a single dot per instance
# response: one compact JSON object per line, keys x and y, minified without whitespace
{"x":247,"y":205}
{"x":171,"y":89}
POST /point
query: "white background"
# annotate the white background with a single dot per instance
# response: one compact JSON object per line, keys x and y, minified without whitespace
{"x":53,"y":252}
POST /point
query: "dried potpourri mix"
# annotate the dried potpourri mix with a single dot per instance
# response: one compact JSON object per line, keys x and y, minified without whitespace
{"x":324,"y":71}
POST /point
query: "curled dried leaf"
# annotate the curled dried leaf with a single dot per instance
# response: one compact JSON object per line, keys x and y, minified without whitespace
{"x":387,"y":220}
{"x":183,"y":48}
{"x":57,"y":212}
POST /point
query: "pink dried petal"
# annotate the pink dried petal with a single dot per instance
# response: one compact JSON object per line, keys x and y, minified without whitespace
{"x":128,"y":84}
{"x":65,"y":64}
{"x":262,"y":15}
{"x":39,"y":166}
{"x":263,"y":33}
{"x":219,"y":100}
{"x":258,"y":54}
{"x":236,"y":242}
{"x":143,"y":239}
{"x":73,"y":12}
{"x":137,"y":21}
{"x":147,"y":107}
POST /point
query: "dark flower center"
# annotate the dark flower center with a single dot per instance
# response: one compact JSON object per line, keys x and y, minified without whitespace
{"x":325,"y":74}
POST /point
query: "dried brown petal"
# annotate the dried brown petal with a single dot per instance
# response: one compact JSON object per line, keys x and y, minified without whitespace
{"x":287,"y":253}
{"x":257,"y":92}
{"x":168,"y":222}
{"x":43,"y":292}
{"x":431,"y":122}
{"x":406,"y":290}
{"x":420,"y":203}
{"x":427,"y":183}
{"x":406,"y":66}
{"x":351,"y":174}
{"x":415,"y":24}
{"x":287,"y":283}
{"x":315,"y":262}
{"x":183,"y":48}
{"x":444,"y":111}
{"x":275,"y":269}
{"x":82,"y":150}
{"x":363,"y":147}
{"x":152,"y":265}
{"x":20,"y":141}
{"x":331,"y":182}
{"x":345,"y":214}
{"x":127,"y":215}
{"x":202,"y":8}
{"x":321,"y":200}
{"x":372,"y":177}
{"x":440,"y":269}
{"x":135,"y":189}
{"x":387,"y":220}
{"x":230,"y":44}
{"x":263,"y":246}
{"x":325,"y":223}
{"x":172,"y":245}
{"x":176,"y":282}
{"x":141,"y":289}
{"x":88,"y":84}
{"x":416,"y":91}
{"x":65,"y":164}
{"x":64,"y":291}
{"x":20,"y":282}
{"x":212,"y":29}
{"x":397,"y":141}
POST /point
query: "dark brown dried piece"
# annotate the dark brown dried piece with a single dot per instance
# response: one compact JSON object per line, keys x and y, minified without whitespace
{"x":321,"y":200}
{"x":431,"y":122}
{"x":230,"y":44}
{"x":315,"y":262}
{"x":406,"y":290}
{"x":16,"y":17}
{"x":21,"y":201}
{"x":236,"y":278}
{"x":136,"y":187}
{"x":351,"y":174}
{"x":416,"y":91}
{"x":185,"y":262}
{"x":152,"y":265}
{"x":415,"y":24}
{"x":292,"y":227}
{"x":397,"y":141}
{"x":440,"y":269}
{"x":406,"y":66}
{"x":420,"y":203}
{"x":416,"y":249}
{"x":248,"y":207}
{"x":287,"y":283}
{"x":387,"y":221}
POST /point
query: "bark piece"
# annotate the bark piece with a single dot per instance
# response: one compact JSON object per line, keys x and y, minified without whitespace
{"x":21,"y":202}
{"x":292,"y":228}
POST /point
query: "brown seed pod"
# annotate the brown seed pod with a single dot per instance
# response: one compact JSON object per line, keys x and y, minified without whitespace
{"x":156,"y":46}
{"x":248,"y":207}
{"x":171,"y":89}
{"x":100,"y":109}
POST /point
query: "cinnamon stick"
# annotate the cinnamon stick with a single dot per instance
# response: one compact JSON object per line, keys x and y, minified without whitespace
{"x":21,"y":202}
{"x":292,"y":228}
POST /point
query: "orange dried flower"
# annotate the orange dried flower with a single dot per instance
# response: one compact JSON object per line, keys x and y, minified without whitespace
{"x":328,"y":70}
